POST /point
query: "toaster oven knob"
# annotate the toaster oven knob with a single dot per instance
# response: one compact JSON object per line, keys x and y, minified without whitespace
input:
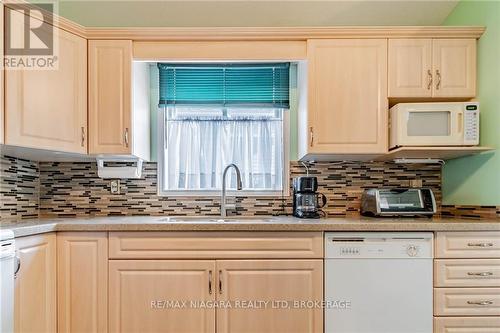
{"x":412,"y":250}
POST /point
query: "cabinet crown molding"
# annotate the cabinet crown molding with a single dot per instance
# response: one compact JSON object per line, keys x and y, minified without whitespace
{"x":282,"y":33}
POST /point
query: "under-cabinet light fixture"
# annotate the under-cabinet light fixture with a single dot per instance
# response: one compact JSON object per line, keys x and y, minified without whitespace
{"x":419,"y":161}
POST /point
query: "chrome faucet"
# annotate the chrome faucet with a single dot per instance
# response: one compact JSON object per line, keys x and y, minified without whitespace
{"x":223,"y":205}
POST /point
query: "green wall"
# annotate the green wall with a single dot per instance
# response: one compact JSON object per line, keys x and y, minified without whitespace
{"x":476,"y":180}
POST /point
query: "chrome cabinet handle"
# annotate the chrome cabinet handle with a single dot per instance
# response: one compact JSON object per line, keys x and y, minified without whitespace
{"x":18,"y":266}
{"x":83,"y":136}
{"x":210,"y":282}
{"x":438,"y":75}
{"x":220,"y":282}
{"x":480,"y":273}
{"x":126,"y":137}
{"x":480,"y":244}
{"x":311,"y":133}
{"x":481,"y":303}
{"x":429,"y":79}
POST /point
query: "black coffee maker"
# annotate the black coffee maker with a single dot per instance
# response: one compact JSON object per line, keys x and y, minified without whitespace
{"x":306,"y":199}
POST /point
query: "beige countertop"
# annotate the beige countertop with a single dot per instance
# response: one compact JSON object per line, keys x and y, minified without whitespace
{"x":264,"y":223}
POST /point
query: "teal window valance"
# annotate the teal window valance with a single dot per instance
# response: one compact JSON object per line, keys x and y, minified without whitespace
{"x":221,"y":84}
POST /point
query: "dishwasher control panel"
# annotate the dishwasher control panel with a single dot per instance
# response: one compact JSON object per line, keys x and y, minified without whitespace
{"x":349,"y":251}
{"x":379,"y":245}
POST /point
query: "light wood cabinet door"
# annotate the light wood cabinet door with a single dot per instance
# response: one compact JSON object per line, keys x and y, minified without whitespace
{"x":467,"y":301}
{"x":221,"y":245}
{"x":47,"y":108}
{"x":466,"y":244}
{"x":347,"y":96}
{"x":410,"y":67}
{"x":35,"y":285}
{"x":82,"y":281}
{"x":110,"y":68}
{"x":454,"y":62}
{"x":147,"y":295}
{"x":467,"y":324}
{"x":467,"y":273}
{"x":269,"y":281}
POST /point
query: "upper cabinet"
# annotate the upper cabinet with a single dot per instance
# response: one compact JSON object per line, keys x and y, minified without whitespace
{"x":454,"y":64}
{"x":47,"y":108}
{"x":118,"y":118}
{"x":2,"y":117}
{"x":347,"y":99}
{"x":410,"y":68}
{"x":343,"y":87}
{"x":110,"y":71}
{"x":425,"y":68}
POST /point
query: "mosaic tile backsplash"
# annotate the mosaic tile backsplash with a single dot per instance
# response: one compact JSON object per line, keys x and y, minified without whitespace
{"x":73,"y":189}
{"x":56,"y":189}
{"x":489,"y":212}
{"x":19,"y":188}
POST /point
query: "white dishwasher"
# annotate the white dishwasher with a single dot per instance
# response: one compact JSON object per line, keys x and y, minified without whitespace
{"x":378,"y":282}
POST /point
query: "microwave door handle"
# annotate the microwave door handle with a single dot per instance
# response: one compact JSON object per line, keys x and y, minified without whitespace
{"x":460,"y":122}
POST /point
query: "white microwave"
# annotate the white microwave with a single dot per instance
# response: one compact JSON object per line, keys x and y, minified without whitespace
{"x":434,"y":124}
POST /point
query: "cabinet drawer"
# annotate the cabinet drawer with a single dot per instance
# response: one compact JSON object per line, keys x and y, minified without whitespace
{"x":484,"y":244}
{"x":202,"y":245}
{"x":467,"y":325}
{"x":467,"y":301}
{"x":467,"y":273}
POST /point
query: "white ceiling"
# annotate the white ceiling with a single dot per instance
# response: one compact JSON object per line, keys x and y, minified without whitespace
{"x":259,"y":13}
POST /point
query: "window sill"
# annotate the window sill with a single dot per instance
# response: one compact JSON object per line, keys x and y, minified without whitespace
{"x":229,"y":193}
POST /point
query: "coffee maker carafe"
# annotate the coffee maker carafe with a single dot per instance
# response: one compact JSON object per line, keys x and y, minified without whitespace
{"x":306,"y":199}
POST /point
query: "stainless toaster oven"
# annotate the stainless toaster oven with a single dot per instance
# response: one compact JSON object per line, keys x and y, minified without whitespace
{"x":398,"y":202}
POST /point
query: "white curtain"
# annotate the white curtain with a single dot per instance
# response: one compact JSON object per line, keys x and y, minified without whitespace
{"x":198,"y":150}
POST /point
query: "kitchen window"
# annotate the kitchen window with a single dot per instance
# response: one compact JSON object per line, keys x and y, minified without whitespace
{"x":216,"y":114}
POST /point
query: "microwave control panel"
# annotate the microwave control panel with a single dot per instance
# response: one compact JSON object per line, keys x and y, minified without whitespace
{"x":471,"y":124}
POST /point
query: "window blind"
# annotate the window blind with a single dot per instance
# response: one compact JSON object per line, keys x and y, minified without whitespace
{"x":265,"y":84}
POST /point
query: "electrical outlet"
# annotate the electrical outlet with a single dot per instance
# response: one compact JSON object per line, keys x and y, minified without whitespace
{"x":415,"y":182}
{"x":114,"y":185}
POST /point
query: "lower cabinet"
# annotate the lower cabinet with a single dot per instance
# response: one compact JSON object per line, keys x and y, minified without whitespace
{"x":135,"y":282}
{"x":467,"y":282}
{"x":35,"y":284}
{"x":75,"y":283}
{"x":238,"y":282}
{"x":157,"y":296}
{"x":466,"y":324}
{"x":82,"y":282}
{"x":215,"y":296}
{"x":280,"y":295}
